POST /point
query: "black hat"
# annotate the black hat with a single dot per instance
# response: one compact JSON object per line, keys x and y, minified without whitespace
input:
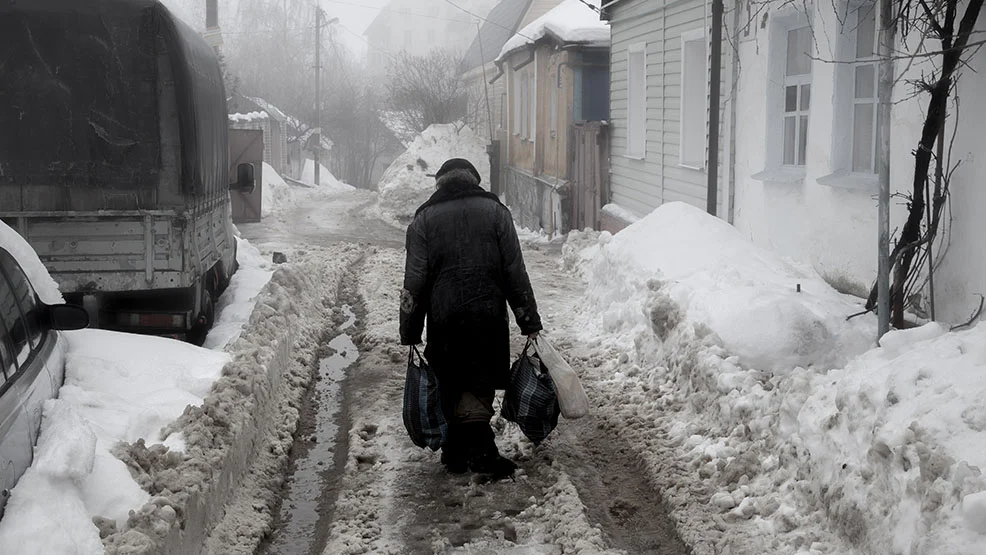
{"x":458,"y":164}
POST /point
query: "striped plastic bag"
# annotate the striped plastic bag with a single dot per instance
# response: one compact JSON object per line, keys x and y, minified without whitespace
{"x":531,"y":400}
{"x":423,"y":417}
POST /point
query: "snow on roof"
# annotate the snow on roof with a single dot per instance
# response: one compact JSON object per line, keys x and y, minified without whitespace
{"x":274,"y":111}
{"x":572,"y":21}
{"x":249,"y":117}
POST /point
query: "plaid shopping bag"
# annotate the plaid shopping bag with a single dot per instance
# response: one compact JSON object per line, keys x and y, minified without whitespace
{"x":423,"y":416}
{"x":531,"y":399}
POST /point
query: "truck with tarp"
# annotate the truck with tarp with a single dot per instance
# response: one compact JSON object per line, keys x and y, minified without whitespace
{"x":114,"y":159}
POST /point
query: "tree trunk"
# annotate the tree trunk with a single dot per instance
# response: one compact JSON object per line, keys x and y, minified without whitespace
{"x":911,"y":232}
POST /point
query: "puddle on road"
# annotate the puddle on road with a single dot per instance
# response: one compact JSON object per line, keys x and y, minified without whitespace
{"x":302,"y":509}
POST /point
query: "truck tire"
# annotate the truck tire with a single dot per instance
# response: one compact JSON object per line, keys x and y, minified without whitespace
{"x":207,"y":317}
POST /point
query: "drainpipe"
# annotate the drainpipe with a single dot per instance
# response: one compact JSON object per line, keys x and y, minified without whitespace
{"x":733,"y":92}
{"x":712,"y":197}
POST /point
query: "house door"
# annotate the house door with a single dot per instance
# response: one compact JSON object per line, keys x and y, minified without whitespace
{"x":590,"y":173}
{"x":246,"y":146}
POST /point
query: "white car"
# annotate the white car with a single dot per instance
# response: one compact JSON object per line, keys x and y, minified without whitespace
{"x":32,"y":366}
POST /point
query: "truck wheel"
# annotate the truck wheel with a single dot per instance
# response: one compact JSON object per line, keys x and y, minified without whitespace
{"x":207,"y":318}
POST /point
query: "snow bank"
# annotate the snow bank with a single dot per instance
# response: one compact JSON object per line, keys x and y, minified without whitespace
{"x":329,"y":182}
{"x":405,"y":185}
{"x":22,"y":252}
{"x":118,"y":387}
{"x":619,"y":212}
{"x":217,"y":493}
{"x":239,"y":300}
{"x":770,"y":312}
{"x":571,"y":21}
{"x":277,"y":195}
{"x":769,"y":422}
{"x":895,"y":442}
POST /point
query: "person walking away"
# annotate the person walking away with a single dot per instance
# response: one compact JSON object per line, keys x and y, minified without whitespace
{"x":464,"y":267}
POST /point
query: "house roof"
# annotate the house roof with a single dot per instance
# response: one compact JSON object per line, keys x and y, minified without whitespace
{"x":501,"y":23}
{"x":571,"y":22}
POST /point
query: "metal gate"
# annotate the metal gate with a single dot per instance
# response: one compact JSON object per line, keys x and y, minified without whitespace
{"x":589,"y":172}
{"x":246,"y":146}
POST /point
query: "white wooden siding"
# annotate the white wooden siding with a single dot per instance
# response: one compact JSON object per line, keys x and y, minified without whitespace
{"x":642,"y":185}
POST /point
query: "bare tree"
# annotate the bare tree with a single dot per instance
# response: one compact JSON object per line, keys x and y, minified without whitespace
{"x":352,"y":120}
{"x":934,"y":22}
{"x":423,"y":90}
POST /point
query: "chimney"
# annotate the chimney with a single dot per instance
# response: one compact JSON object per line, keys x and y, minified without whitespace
{"x":211,"y":14}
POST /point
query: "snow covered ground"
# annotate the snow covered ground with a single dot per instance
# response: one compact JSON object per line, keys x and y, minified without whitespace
{"x":786,"y":432}
{"x":405,"y":185}
{"x":728,"y":387}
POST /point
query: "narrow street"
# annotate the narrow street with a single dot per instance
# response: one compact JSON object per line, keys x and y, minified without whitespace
{"x":358,"y":485}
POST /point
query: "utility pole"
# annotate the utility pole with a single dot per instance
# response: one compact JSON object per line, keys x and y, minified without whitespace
{"x":318,"y":92}
{"x":886,"y":87}
{"x":715,"y":78}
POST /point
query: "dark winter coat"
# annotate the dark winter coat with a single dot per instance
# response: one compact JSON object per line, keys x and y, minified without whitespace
{"x":464,"y":266}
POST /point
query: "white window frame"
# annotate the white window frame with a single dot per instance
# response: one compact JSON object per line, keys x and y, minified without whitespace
{"x":873,"y":100}
{"x":687,"y":101}
{"x":801,"y":114}
{"x":636,"y":133}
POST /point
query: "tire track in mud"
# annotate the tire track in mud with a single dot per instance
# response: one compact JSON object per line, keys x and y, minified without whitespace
{"x":613,"y":484}
{"x":323,"y":403}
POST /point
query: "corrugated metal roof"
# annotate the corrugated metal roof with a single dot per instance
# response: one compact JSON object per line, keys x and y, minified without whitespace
{"x":502,"y":23}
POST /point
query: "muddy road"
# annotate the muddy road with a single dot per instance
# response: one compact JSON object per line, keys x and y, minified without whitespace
{"x":358,"y":485}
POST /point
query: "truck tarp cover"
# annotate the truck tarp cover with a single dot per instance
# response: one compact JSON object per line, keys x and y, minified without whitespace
{"x":79,"y":87}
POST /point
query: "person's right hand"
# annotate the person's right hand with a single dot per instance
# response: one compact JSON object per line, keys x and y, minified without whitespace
{"x":534,"y":336}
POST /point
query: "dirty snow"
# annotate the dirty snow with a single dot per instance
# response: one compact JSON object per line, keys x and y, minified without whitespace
{"x":118,"y":388}
{"x":405,"y":185}
{"x":571,"y":21}
{"x":772,"y":422}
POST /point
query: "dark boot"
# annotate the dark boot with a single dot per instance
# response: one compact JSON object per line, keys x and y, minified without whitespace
{"x":455,"y":455}
{"x":484,"y":458}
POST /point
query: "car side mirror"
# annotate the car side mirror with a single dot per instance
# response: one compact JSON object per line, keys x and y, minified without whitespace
{"x":67,"y":317}
{"x":246,"y":181}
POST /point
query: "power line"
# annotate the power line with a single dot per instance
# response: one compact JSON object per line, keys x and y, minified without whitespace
{"x":454,"y":5}
{"x":401,"y":12}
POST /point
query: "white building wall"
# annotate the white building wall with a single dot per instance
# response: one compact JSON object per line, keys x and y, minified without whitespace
{"x":828,"y":220}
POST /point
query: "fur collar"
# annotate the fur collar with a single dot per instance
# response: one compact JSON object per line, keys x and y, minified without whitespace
{"x":454,"y":185}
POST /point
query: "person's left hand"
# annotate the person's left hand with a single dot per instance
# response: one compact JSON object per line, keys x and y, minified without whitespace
{"x":534,"y":336}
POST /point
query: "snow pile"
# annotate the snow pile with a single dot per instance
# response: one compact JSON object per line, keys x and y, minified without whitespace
{"x":771,"y":424}
{"x":718,"y":278}
{"x":405,"y":185}
{"x":619,"y":212}
{"x":248,"y":117}
{"x":571,"y":21}
{"x":895,"y":442}
{"x":118,"y":387}
{"x":239,"y":300}
{"x":239,"y":436}
{"x":329,"y":183}
{"x":277,"y":195}
{"x":20,"y":249}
